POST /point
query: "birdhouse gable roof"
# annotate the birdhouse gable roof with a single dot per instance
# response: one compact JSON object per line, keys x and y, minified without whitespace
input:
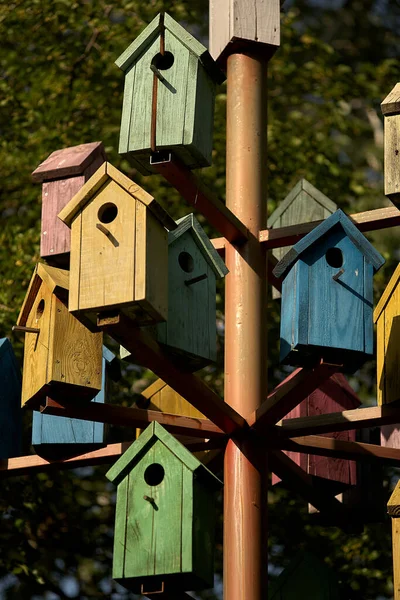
{"x":136,"y":49}
{"x":142,"y":445}
{"x":338,"y":218}
{"x":391,"y":104}
{"x":191,"y":224}
{"x":57,"y":281}
{"x":301,"y":186}
{"x":96,"y":182}
{"x":387,"y":294}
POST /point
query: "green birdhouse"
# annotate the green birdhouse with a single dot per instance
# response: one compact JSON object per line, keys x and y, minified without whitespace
{"x":169,"y":96}
{"x":189,"y":335}
{"x":165,"y":516}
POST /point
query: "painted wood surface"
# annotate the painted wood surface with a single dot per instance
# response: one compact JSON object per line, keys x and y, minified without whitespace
{"x":62,"y":174}
{"x":391,"y":111}
{"x":243,"y":24}
{"x":117,"y":227}
{"x":327,"y":302}
{"x":64,"y":358}
{"x":185,"y":97}
{"x":54,"y":436}
{"x":162,"y":528}
{"x":306,"y":577}
{"x":332,"y":395}
{"x":396,"y":557}
{"x":10,"y":402}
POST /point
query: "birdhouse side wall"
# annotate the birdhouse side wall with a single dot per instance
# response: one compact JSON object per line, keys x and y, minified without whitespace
{"x":391,"y":159}
{"x":75,"y":356}
{"x":10,"y":403}
{"x":191,"y":323}
{"x":36,"y":349}
{"x":294,"y":312}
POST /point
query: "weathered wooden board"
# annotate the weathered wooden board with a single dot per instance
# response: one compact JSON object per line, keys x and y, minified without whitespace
{"x":391,"y":111}
{"x":10,"y":402}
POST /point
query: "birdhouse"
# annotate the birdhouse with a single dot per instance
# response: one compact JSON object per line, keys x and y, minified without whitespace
{"x":10,"y":402}
{"x":169,"y":96}
{"x":333,"y":395}
{"x":307,"y":577}
{"x":391,"y":111}
{"x":387,"y":319}
{"x":59,"y":437}
{"x":62,"y":175}
{"x":302,"y":205}
{"x":62,"y":359}
{"x":189,"y":335}
{"x":119,"y":257}
{"x":327,"y":296}
{"x":165,"y":516}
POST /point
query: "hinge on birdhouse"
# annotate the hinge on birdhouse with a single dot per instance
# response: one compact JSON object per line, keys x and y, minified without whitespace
{"x":144,"y":593}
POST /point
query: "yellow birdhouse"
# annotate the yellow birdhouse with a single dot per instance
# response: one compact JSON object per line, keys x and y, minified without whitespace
{"x":119,"y":250}
{"x":62,"y":359}
{"x":387,"y":319}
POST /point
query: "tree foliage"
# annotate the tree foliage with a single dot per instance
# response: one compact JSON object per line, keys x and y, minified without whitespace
{"x":59,"y":87}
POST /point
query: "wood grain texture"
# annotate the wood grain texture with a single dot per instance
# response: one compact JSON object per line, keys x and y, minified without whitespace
{"x":68,"y":162}
{"x":393,"y":506}
{"x":250,"y":23}
{"x":396,"y":558}
{"x":10,"y":402}
{"x":391,"y":157}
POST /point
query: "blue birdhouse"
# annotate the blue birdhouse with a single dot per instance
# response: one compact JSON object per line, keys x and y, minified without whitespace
{"x":327,"y":296}
{"x":10,"y":402}
{"x":59,"y":437}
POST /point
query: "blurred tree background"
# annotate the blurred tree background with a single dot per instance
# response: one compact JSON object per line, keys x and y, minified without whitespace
{"x":59,"y":87}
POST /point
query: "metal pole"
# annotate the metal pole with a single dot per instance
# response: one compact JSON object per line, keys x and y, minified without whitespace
{"x":245,"y":482}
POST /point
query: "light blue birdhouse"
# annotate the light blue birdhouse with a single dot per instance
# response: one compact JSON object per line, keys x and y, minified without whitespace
{"x":327,"y":302}
{"x":59,"y":437}
{"x":10,"y":402}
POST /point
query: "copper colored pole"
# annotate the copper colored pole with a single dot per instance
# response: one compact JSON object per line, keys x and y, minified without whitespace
{"x":245,"y":479}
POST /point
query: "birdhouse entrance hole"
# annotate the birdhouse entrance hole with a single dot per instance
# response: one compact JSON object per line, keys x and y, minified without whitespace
{"x":162,"y":62}
{"x":186,"y":262}
{"x":334,"y":257}
{"x":154,"y":474}
{"x":40,"y":309}
{"x":107,"y":213}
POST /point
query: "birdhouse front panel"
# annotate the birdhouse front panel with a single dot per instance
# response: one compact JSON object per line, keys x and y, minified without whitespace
{"x":191,"y":324}
{"x":155,"y":515}
{"x":119,"y":258}
{"x":327,"y":296}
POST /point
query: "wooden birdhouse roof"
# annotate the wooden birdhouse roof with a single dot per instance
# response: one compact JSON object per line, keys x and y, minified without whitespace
{"x":57,"y":280}
{"x":142,"y":445}
{"x":191,"y":224}
{"x":387,"y":294}
{"x":337,"y":219}
{"x":312,"y":195}
{"x":153,"y":30}
{"x":391,"y":104}
{"x":102,"y":175}
{"x":68,"y":162}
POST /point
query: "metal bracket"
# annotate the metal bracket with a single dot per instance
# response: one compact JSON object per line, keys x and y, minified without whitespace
{"x":144,"y":593}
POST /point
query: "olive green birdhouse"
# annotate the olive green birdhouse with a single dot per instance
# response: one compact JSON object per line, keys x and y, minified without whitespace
{"x":62,"y":359}
{"x":119,"y":250}
{"x":169,"y":96}
{"x":165,"y":516}
{"x":189,"y":335}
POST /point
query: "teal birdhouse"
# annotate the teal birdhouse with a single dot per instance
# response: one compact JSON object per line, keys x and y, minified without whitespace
{"x":169,"y":96}
{"x":165,"y":516}
{"x":327,"y":296}
{"x":189,"y":335}
{"x":10,"y":402}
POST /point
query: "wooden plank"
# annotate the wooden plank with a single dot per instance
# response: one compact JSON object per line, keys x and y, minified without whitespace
{"x":325,"y":446}
{"x":203,"y":199}
{"x":121,"y":515}
{"x":68,"y":162}
{"x":393,"y":506}
{"x":24,"y":465}
{"x":187,"y":521}
{"x":133,"y":417}
{"x":289,"y":393}
{"x":358,"y":418}
{"x":371,"y":220}
{"x":391,"y":349}
{"x":396,"y":558}
{"x":245,"y":24}
{"x":140,"y":344}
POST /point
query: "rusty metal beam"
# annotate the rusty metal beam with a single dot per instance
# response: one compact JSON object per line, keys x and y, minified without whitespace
{"x":149,"y":353}
{"x":201,"y":198}
{"x":132,"y":417}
